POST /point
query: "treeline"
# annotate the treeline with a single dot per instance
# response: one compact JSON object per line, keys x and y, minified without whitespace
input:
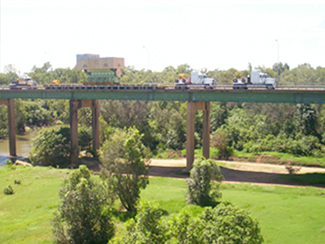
{"x":304,"y":74}
{"x":296,"y":129}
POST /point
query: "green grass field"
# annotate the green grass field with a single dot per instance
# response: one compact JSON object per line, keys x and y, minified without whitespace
{"x":286,"y":214}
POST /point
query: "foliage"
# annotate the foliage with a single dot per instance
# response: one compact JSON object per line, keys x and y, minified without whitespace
{"x":8,"y":190}
{"x":221,"y":141}
{"x":223,"y":224}
{"x":17,"y":182}
{"x":147,"y":227}
{"x":44,"y":75}
{"x":291,"y":169}
{"x":124,"y":165}
{"x":201,"y":190}
{"x":81,"y":216}
{"x":36,"y":115}
{"x":51,"y":147}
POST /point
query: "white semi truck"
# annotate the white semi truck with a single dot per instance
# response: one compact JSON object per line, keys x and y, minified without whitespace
{"x":197,"y":80}
{"x":258,"y":79}
{"x":23,"y":82}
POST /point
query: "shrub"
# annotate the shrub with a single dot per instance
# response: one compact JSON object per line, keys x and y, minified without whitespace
{"x":200,"y":189}
{"x":51,"y":146}
{"x":81,"y":216}
{"x":147,"y":227}
{"x":17,"y":182}
{"x":224,"y":224}
{"x":221,"y":141}
{"x":8,"y":190}
{"x":291,"y":169}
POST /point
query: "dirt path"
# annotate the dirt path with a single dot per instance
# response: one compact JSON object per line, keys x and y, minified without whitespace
{"x":257,"y":173}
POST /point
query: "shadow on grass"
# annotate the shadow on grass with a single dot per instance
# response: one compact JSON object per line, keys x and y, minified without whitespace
{"x":308,"y":179}
{"x":123,"y":216}
{"x":174,"y":172}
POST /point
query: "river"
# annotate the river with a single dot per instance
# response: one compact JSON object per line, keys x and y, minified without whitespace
{"x":24,"y":144}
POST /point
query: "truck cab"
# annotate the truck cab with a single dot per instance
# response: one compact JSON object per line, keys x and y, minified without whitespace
{"x":199,"y":78}
{"x":23,"y":81}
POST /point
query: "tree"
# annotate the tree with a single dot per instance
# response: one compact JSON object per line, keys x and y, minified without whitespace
{"x":222,"y":224}
{"x":81,"y":216}
{"x":221,"y":141}
{"x":125,"y":165}
{"x":146,"y":227}
{"x":52,"y":146}
{"x":200,"y":189}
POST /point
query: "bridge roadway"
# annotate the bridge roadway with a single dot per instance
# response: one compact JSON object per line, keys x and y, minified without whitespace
{"x":284,"y":95}
{"x":196,"y":100}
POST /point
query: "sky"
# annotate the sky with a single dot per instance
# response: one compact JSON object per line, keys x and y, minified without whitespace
{"x":205,"y":34}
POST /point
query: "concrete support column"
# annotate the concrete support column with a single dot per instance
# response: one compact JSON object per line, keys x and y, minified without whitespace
{"x":95,"y":124}
{"x":192,"y":107}
{"x":12,"y":125}
{"x":190,"y":135}
{"x":74,"y":131}
{"x":206,"y":131}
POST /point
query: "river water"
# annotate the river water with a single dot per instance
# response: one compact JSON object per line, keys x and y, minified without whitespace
{"x":24,"y":144}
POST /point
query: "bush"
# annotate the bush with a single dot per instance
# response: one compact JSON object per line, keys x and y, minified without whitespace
{"x":200,"y":189}
{"x":220,"y":225}
{"x":147,"y":227}
{"x":301,"y":145}
{"x":221,"y":141}
{"x":8,"y":190}
{"x":81,"y":216}
{"x":17,"y":182}
{"x":51,"y":147}
{"x":223,"y":224}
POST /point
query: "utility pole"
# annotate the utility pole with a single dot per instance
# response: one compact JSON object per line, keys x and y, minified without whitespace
{"x":148,"y":63}
{"x":278,"y":58}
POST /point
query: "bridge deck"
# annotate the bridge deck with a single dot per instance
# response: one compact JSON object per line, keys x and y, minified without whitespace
{"x":220,"y":95}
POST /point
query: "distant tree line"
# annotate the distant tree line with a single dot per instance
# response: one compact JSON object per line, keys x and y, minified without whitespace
{"x":297,"y":129}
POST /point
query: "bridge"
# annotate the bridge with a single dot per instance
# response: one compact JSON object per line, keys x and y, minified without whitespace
{"x":198,"y":99}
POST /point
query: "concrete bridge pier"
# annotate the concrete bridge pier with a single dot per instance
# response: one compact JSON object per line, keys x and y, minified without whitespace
{"x":74,"y":106}
{"x":192,"y":107}
{"x":12,"y":127}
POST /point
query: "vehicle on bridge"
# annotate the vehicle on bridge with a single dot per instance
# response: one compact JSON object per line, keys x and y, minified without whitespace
{"x":23,"y":82}
{"x":105,"y":73}
{"x":257,"y":79}
{"x":197,"y":80}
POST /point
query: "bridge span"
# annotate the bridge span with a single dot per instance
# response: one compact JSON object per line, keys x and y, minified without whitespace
{"x":284,"y":95}
{"x":198,"y":99}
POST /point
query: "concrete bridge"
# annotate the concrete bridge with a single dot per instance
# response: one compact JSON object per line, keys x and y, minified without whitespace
{"x":196,"y":100}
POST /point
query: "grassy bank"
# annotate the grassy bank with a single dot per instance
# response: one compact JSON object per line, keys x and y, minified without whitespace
{"x":285,"y":214}
{"x":263,"y":157}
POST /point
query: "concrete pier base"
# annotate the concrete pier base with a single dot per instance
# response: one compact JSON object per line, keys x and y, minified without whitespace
{"x":12,"y":125}
{"x":74,"y":106}
{"x":192,"y":108}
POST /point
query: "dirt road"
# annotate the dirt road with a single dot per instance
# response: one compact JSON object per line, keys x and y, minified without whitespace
{"x":258,"y":173}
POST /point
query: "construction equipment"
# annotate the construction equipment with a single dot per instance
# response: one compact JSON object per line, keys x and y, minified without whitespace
{"x":100,"y":71}
{"x":257,"y":79}
{"x":55,"y":82}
